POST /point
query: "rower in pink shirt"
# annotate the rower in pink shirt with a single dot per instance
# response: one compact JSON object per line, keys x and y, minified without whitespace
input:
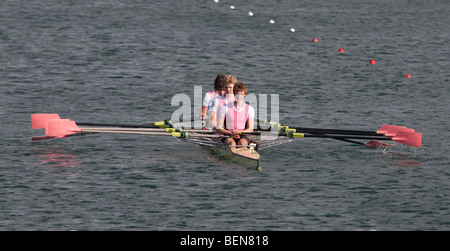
{"x":227,"y":97}
{"x":236,"y":117}
{"x":212,"y":95}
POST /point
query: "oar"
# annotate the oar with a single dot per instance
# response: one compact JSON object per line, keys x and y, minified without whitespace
{"x":158,"y":124}
{"x":55,"y":127}
{"x":139,"y":129}
{"x":182,"y":134}
{"x":59,"y":128}
{"x":38,"y":121}
{"x":406,"y":138}
{"x":385,"y":130}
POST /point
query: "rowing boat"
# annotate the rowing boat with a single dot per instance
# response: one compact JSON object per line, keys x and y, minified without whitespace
{"x":246,"y":156}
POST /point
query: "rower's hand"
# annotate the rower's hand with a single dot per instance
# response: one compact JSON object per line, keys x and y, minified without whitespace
{"x":235,"y":134}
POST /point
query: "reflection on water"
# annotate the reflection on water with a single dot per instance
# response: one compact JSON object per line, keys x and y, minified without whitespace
{"x":59,"y":166}
{"x":407,"y":164}
{"x":401,"y":160}
{"x":57,"y":157}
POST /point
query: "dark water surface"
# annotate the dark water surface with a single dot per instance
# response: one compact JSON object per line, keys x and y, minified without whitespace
{"x":123,"y":61}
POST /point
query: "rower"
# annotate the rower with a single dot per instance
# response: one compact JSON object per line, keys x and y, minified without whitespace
{"x":208,"y":98}
{"x":236,"y":117}
{"x":227,"y":96}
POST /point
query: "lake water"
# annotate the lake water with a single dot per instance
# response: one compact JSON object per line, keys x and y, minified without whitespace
{"x":123,"y":61}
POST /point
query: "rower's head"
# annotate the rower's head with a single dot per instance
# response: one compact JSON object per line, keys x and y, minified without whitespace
{"x":240,"y":91}
{"x":230,"y":80}
{"x":219,"y":83}
{"x":240,"y":87}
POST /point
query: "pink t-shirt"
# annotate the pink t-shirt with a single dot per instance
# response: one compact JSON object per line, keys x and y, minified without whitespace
{"x":236,"y":119}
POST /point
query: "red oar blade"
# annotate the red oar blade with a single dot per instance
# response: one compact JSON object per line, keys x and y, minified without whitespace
{"x":386,"y":128}
{"x":59,"y":128}
{"x":38,"y":120}
{"x":395,"y":131}
{"x":409,"y":138}
{"x":55,"y":127}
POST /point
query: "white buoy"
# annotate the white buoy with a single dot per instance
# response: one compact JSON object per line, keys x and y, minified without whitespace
{"x":232,"y":7}
{"x":216,"y":1}
{"x":250,"y":14}
{"x":271,"y":21}
{"x":292,"y":30}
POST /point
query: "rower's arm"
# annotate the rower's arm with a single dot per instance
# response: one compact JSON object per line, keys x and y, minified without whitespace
{"x":220,"y":127}
{"x":251,"y":123}
{"x":204,"y":110}
{"x":212,"y":120}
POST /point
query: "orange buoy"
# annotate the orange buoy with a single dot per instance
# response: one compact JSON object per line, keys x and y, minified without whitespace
{"x":341,"y":50}
{"x":407,"y":75}
{"x":315,"y":40}
{"x":372,"y":61}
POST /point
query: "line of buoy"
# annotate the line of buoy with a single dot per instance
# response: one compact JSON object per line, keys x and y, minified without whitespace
{"x":315,"y":40}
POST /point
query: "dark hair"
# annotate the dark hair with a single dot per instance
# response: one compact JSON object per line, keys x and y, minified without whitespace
{"x":219,"y":83}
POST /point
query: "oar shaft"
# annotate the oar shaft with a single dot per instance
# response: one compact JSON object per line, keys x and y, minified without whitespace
{"x":118,"y":125}
{"x":335,"y":131}
{"x":146,"y":129}
{"x":303,"y":135}
{"x":160,"y":133}
{"x":321,"y":130}
{"x":126,"y":132}
{"x":346,"y":137}
{"x":147,"y":125}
